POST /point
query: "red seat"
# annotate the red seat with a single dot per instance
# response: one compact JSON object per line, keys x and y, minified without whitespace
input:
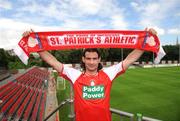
{"x":36,"y":107}
{"x":42,"y":107}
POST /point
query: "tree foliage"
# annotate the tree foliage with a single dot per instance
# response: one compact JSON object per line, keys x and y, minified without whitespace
{"x":74,"y":56}
{"x":4,"y":56}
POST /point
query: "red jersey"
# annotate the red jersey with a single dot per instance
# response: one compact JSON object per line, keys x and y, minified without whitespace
{"x":92,"y":93}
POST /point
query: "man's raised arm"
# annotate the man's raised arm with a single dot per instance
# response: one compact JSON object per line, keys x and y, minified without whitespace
{"x":51,"y":60}
{"x":48,"y":57}
{"x":135,"y":54}
{"x":132,"y":57}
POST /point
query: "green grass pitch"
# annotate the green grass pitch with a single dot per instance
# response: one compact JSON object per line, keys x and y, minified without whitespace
{"x":154,"y":92}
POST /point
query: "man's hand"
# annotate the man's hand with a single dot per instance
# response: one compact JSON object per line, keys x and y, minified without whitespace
{"x":26,"y":33}
{"x":153,"y":31}
{"x":150,"y":40}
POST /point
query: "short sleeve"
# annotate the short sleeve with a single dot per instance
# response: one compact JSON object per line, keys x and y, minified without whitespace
{"x":70,"y":74}
{"x":114,"y":71}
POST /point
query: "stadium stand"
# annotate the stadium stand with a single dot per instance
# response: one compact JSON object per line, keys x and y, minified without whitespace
{"x":24,"y":99}
{"x":4,"y":73}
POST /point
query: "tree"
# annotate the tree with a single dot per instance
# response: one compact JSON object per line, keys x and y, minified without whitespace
{"x":74,"y":56}
{"x":171,"y":52}
{"x":3,"y":58}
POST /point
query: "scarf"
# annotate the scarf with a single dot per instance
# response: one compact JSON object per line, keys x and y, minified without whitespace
{"x":60,"y":40}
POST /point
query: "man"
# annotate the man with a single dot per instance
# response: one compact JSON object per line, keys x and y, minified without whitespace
{"x":92,"y":86}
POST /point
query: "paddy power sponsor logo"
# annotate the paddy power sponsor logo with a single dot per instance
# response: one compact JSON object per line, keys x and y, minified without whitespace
{"x":93,"y":92}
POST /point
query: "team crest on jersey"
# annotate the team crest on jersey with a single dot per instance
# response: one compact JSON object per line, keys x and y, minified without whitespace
{"x":93,"y":92}
{"x":92,"y":83}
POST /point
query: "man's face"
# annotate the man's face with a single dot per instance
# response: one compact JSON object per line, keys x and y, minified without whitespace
{"x":91,"y":61}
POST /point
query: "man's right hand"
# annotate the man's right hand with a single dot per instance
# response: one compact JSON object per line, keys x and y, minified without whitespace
{"x":26,"y":33}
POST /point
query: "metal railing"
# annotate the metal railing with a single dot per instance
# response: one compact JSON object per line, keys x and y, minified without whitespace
{"x":67,"y":101}
{"x":122,"y":115}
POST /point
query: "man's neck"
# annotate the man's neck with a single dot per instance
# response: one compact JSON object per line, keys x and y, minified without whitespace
{"x":91,"y":73}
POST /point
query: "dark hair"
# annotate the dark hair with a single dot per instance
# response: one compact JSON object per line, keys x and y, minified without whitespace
{"x":91,"y":50}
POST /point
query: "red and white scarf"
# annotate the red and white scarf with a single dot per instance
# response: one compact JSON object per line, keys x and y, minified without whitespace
{"x":60,"y":40}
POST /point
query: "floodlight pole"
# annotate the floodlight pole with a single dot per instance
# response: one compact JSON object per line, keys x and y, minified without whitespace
{"x":71,"y":114}
{"x":178,"y":43}
{"x":121,"y":54}
{"x":179,"y":53}
{"x":153,"y":60}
